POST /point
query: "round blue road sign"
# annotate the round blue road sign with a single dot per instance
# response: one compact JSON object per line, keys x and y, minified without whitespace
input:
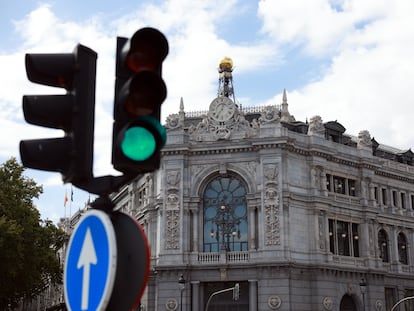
{"x":90,"y":265}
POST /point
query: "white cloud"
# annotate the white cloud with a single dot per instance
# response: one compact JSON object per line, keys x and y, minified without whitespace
{"x":366,"y":83}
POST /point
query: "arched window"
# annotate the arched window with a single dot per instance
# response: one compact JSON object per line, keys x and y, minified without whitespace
{"x":402,"y":249}
{"x":383,"y":245}
{"x":225,"y":215}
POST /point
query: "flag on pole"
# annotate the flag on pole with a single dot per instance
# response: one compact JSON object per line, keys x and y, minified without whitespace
{"x":66,"y":199}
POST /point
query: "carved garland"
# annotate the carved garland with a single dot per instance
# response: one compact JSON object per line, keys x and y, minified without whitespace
{"x":172,"y":214}
{"x":271,"y":205}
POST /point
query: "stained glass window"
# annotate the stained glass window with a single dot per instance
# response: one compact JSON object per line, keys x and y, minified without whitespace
{"x":225,"y":215}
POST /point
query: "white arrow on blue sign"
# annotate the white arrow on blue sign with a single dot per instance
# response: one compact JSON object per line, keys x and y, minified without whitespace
{"x":90,"y":265}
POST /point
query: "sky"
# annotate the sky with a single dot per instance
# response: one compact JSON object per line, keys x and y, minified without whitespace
{"x":345,"y":60}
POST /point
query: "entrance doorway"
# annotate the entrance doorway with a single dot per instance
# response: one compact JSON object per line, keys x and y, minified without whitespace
{"x":224,"y":301}
{"x":347,"y":304}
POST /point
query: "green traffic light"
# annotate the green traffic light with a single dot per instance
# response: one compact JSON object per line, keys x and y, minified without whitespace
{"x":138,"y":144}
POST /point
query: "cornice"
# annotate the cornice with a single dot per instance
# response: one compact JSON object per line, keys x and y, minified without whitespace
{"x":290,"y":146}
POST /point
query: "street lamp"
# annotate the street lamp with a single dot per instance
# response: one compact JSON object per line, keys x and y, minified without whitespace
{"x":181,"y":286}
{"x":363,"y":287}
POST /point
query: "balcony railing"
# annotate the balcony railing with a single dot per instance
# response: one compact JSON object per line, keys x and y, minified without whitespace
{"x":223,"y":257}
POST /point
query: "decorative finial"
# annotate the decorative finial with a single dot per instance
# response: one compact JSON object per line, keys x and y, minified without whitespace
{"x":181,"y":105}
{"x":285,"y":115}
{"x":225,"y":78}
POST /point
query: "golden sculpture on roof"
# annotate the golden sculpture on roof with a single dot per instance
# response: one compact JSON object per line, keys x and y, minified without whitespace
{"x":226,"y":64}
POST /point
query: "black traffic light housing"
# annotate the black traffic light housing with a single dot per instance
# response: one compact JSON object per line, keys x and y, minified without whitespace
{"x":140,"y":90}
{"x":74,"y":113}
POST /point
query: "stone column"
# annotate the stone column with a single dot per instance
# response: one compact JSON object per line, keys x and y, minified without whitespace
{"x":195,"y":229}
{"x":252,"y":295}
{"x":195,"y":298}
{"x":252,"y":227}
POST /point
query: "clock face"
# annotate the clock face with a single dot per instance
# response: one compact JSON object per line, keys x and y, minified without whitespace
{"x":222,"y":109}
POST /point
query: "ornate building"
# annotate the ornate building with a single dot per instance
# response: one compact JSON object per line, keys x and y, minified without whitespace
{"x":302,"y":215}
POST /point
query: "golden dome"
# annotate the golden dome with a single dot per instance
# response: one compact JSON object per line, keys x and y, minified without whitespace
{"x":226,"y":63}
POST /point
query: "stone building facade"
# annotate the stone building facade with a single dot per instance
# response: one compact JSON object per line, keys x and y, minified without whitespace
{"x":302,"y":215}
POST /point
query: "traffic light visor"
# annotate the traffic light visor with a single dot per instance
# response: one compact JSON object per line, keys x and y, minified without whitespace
{"x":146,"y":50}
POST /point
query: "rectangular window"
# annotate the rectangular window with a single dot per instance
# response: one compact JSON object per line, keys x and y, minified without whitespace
{"x":343,"y":238}
{"x":355,"y":240}
{"x":412,"y":201}
{"x":389,"y":298}
{"x":342,"y":233}
{"x":402,"y":196}
{"x":384,"y":196}
{"x":328,"y":182}
{"x":351,"y":187}
{"x":394,"y":198}
{"x":376,"y":194}
{"x":339,"y":184}
{"x":331,"y":236}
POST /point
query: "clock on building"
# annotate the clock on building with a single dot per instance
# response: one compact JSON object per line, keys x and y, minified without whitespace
{"x":222,"y":109}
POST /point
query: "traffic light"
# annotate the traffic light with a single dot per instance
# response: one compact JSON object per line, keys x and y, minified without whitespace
{"x":73,"y":112}
{"x":140,"y":90}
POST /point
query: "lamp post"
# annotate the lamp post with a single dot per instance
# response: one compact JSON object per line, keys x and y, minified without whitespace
{"x":226,"y":222}
{"x":181,"y":286}
{"x":363,"y":287}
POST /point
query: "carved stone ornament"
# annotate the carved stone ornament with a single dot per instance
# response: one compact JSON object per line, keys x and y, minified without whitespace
{"x":316,"y":126}
{"x":173,"y":121}
{"x":213,"y":129}
{"x":364,"y":139}
{"x":271,"y":205}
{"x":172,"y":214}
{"x":274,"y":302}
{"x":171,"y":304}
{"x":378,"y":305}
{"x":321,"y":225}
{"x":269,"y":114}
{"x":173,"y":200}
{"x":327,"y":303}
{"x":172,"y":230}
{"x":173,"y":179}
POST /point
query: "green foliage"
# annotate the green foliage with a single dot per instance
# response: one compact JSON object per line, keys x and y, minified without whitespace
{"x":28,"y":245}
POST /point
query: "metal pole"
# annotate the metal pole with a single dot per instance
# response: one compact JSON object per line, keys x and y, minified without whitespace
{"x":217,"y":293}
{"x":363,"y":299}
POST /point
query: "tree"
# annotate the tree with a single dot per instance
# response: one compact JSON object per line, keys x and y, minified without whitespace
{"x":28,"y":245}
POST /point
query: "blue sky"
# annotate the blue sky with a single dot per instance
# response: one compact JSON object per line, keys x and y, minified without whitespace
{"x":345,"y":60}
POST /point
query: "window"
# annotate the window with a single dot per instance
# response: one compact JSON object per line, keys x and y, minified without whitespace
{"x":343,"y":238}
{"x":402,"y":194}
{"x":383,"y":245}
{"x":394,"y":198}
{"x":351,"y":187}
{"x":340,"y":185}
{"x":412,"y":201}
{"x":384,"y":196}
{"x":225,"y":215}
{"x":402,"y":248}
{"x":389,"y":297}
